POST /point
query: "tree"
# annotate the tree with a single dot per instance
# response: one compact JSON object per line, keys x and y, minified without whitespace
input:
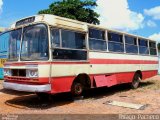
{"x":74,"y":9}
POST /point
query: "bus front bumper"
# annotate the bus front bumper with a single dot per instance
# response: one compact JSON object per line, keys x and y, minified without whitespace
{"x":27,"y":88}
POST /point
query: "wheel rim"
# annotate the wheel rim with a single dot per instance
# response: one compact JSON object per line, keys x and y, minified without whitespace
{"x":78,"y":89}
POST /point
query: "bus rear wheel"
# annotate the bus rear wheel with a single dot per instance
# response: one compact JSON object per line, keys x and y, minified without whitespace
{"x":136,"y":80}
{"x":77,"y":89}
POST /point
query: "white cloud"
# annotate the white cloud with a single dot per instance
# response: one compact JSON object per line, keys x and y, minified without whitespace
{"x":1,"y":3}
{"x":116,"y":14}
{"x":155,"y":36}
{"x":153,"y":12}
{"x":151,"y":23}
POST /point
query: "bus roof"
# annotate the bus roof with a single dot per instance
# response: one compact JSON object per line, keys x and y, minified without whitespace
{"x":62,"y":22}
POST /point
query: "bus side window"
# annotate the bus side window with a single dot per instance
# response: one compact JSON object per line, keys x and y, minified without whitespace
{"x":131,"y":44}
{"x":115,"y":42}
{"x":68,"y":45}
{"x":66,"y":54}
{"x":55,"y":38}
{"x":143,"y":46}
{"x":152,"y":48}
{"x":97,"y":40}
{"x":73,"y":40}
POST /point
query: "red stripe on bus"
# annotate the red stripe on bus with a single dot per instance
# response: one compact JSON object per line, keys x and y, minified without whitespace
{"x":91,"y":61}
{"x":121,"y":61}
{"x":111,"y":61}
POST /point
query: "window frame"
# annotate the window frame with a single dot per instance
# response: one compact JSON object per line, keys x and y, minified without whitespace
{"x":50,"y":29}
{"x":109,"y":31}
{"x":132,"y":37}
{"x":122,"y":43}
{"x":153,"y":48}
{"x":152,"y":42}
{"x":147,"y":40}
{"x":8,"y":52}
{"x":102,"y":30}
{"x":126,"y":35}
{"x":48,"y":39}
{"x":60,"y":37}
{"x":139,"y":39}
{"x":64,"y":48}
{"x":97,"y":39}
{"x":74,"y":32}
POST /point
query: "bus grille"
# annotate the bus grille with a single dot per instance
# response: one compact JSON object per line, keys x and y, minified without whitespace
{"x":18,"y":72}
{"x":17,"y":78}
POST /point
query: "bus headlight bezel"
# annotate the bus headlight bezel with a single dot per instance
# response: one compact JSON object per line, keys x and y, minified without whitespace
{"x":32,"y":73}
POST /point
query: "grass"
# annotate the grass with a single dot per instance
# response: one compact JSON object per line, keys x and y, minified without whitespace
{"x":150,"y":85}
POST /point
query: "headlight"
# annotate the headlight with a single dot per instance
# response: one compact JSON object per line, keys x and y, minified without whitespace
{"x":7,"y":72}
{"x":32,"y":73}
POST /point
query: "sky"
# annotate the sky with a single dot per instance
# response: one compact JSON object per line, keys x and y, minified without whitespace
{"x":140,"y":17}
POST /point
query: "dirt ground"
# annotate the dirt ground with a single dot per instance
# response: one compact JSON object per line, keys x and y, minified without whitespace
{"x":93,"y":101}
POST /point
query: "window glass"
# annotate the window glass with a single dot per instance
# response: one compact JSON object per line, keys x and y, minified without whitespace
{"x":55,"y":38}
{"x":143,"y":50}
{"x":14,"y":44}
{"x":131,"y":48}
{"x":130,"y":40}
{"x":69,"y":54}
{"x":97,"y":45}
{"x":153,"y":51}
{"x":99,"y":34}
{"x":131,"y":44}
{"x":72,"y":45}
{"x":115,"y":47}
{"x":115,"y":37}
{"x":152,"y":44}
{"x":97,"y":40}
{"x":143,"y":42}
{"x":35,"y":43}
{"x":73,"y":40}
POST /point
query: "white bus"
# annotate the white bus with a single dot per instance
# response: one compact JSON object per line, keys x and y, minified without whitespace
{"x":50,"y":54}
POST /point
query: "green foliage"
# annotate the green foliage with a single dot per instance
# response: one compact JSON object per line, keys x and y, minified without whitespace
{"x":74,"y":9}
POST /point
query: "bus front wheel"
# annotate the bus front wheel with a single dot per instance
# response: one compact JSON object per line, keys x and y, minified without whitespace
{"x":77,"y":89}
{"x":136,"y":80}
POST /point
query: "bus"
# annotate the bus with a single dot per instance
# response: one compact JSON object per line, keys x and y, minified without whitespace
{"x":50,"y":55}
{"x":3,"y":52}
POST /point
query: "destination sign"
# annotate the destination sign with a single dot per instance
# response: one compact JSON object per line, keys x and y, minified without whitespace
{"x":25,"y":21}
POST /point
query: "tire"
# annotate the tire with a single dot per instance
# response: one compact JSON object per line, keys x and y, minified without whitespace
{"x":136,"y":80}
{"x":77,"y":89}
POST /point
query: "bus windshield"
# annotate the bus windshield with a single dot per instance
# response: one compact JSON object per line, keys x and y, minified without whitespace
{"x":35,"y":43}
{"x":14,"y":37}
